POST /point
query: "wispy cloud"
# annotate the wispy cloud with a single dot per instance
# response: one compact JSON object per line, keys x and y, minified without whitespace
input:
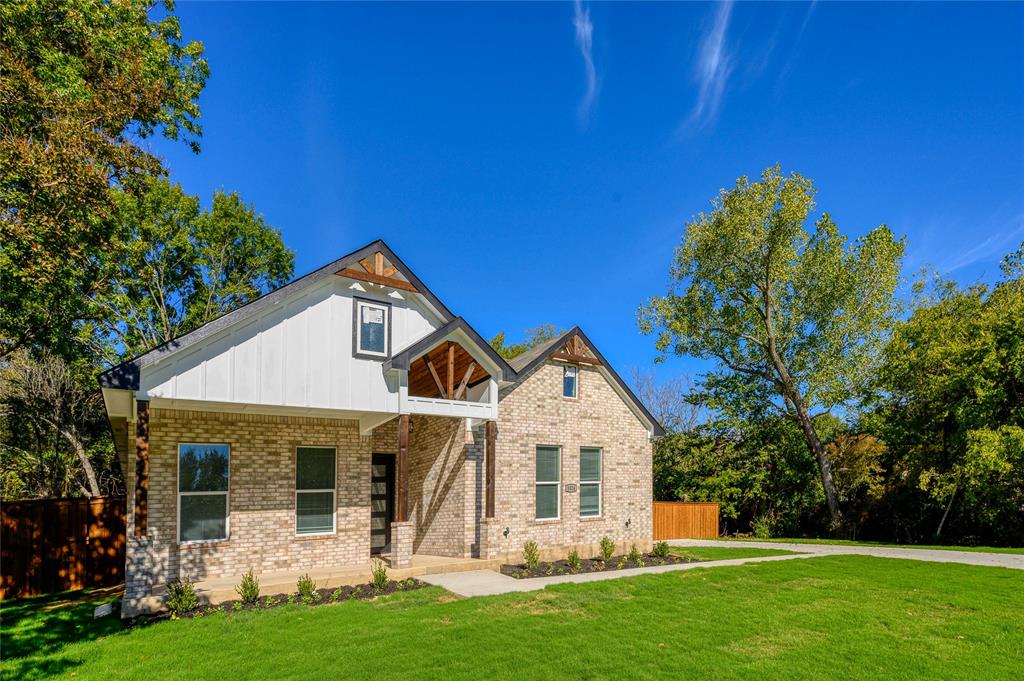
{"x":585,"y":41}
{"x":995,"y":246}
{"x":714,"y":65}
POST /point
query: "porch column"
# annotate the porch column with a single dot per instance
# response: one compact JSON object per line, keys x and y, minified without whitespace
{"x":141,"y":468}
{"x":490,"y":439}
{"x":402,"y":529}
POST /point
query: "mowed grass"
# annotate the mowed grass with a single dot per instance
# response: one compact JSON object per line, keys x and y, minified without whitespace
{"x":829,"y":617}
{"x":848,"y":542}
{"x":725,"y":552}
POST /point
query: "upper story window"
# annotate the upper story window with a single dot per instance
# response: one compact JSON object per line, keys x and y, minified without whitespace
{"x":372,"y":328}
{"x":203,"y":492}
{"x":569,"y":376}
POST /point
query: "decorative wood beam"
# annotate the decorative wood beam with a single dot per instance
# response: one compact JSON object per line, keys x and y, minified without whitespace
{"x":142,"y":468}
{"x":582,"y":359}
{"x":437,"y":379}
{"x":388,"y":271}
{"x":367,"y":265}
{"x":451,"y":369}
{"x":402,"y":471}
{"x":378,"y":264}
{"x":377,"y":279}
{"x":465,"y":381}
{"x":490,"y":442}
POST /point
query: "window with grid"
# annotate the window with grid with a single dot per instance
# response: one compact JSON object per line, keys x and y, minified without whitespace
{"x":548,"y":482}
{"x":203,"y":492}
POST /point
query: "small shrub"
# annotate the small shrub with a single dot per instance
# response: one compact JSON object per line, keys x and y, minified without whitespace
{"x":270,"y":602}
{"x":531,"y":555}
{"x":574,"y":560}
{"x":181,"y":596}
{"x":661,"y":549}
{"x":237,"y":605}
{"x":634,"y":555}
{"x":379,"y":576}
{"x":607,"y":549}
{"x":763,"y":526}
{"x":337,"y":595}
{"x":550,"y":570}
{"x":249,"y":589}
{"x":621,"y":564}
{"x":292,"y":599}
{"x":307,"y":590}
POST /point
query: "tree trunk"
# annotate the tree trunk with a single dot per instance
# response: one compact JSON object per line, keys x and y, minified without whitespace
{"x":83,"y":458}
{"x":803,"y":418}
{"x":945,"y":515}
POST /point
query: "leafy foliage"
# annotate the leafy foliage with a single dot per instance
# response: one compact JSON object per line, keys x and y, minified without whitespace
{"x":607,"y":549}
{"x":85,"y":81}
{"x":379,"y":575}
{"x":536,"y":336}
{"x":794,"y":319}
{"x":306,"y":589}
{"x":249,"y":588}
{"x":181,"y":596}
{"x":531,"y":555}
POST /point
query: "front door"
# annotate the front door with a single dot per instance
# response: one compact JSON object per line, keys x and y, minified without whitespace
{"x":382,"y":502}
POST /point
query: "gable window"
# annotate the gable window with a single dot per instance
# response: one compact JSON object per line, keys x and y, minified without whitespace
{"x":548,"y":482}
{"x":569,"y":381}
{"x":372,"y":328}
{"x":203,"y":492}
{"x":314,"y":490}
{"x":590,"y":482}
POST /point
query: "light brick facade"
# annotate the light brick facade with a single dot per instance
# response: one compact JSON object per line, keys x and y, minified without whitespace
{"x":446,"y":485}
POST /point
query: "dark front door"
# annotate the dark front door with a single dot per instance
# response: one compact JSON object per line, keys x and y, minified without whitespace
{"x":382,"y":502}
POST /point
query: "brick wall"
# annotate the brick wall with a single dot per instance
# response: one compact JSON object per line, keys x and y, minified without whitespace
{"x":438,"y":485}
{"x":261,"y":499}
{"x":535,"y":413}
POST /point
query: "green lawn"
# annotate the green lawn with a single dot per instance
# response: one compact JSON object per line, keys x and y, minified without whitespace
{"x":830,"y":617}
{"x":806,"y":540}
{"x":725,"y":552}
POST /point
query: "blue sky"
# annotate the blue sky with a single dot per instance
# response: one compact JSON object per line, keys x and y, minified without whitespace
{"x":537,"y":162}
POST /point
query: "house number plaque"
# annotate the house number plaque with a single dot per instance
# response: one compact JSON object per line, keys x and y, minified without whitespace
{"x":570,"y":488}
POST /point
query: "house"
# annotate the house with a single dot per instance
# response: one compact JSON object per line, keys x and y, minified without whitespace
{"x":350,"y":414}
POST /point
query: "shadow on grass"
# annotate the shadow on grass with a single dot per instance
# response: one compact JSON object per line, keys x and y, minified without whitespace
{"x":33,"y":630}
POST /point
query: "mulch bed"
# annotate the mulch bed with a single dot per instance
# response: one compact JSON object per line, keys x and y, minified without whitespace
{"x":561,"y":567}
{"x":324,"y":596}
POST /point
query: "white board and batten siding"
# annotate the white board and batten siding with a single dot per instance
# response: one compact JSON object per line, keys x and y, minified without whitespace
{"x":297,"y":354}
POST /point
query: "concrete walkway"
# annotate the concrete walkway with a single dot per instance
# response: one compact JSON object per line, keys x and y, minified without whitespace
{"x":1007,"y":560}
{"x":490,"y":582}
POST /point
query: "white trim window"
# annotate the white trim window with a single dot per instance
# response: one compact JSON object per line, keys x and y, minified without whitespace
{"x":372,"y":328}
{"x":590,"y":482}
{"x":548,"y":482}
{"x":315,"y":473}
{"x":570,"y":378}
{"x":203,"y":472}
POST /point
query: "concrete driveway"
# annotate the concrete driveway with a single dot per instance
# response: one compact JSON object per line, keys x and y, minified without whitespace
{"x":1007,"y":560}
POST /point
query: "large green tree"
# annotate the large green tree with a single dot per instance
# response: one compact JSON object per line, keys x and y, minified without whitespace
{"x":84,"y":82}
{"x":179,"y":266}
{"x":535,"y":336}
{"x":794,"y":317}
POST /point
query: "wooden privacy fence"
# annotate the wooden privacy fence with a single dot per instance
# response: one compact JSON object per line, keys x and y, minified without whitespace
{"x":685,"y":520}
{"x":50,"y":545}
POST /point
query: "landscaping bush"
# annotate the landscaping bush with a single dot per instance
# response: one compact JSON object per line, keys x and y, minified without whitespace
{"x":379,"y":575}
{"x":763,"y":526}
{"x":607,"y":549}
{"x":634,"y":555}
{"x":531,"y":555}
{"x":661,"y":549}
{"x":181,"y":596}
{"x":574,"y":560}
{"x":249,"y":589}
{"x":307,"y":589}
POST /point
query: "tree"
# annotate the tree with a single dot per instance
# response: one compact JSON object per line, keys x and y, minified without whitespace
{"x":668,"y":400}
{"x":951,"y":403}
{"x":795,"y":320}
{"x":535,"y":336}
{"x":55,"y":437}
{"x":84,"y":81}
{"x":179,"y":266}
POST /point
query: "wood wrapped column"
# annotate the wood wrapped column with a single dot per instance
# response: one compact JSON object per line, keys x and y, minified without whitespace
{"x":490,"y":440}
{"x":402,"y":471}
{"x":141,"y":468}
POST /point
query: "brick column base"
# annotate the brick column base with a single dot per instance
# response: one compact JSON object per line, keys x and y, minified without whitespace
{"x":401,"y":544}
{"x":492,"y":539}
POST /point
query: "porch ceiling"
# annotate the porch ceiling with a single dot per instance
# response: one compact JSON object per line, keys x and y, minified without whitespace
{"x":443,"y":370}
